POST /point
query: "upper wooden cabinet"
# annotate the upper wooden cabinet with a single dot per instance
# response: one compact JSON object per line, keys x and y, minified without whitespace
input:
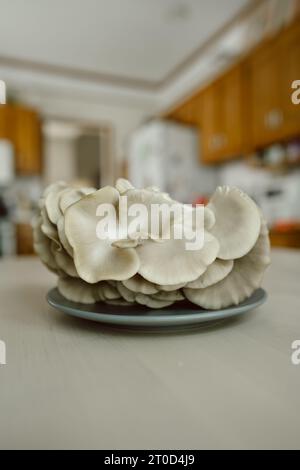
{"x":7,"y":123}
{"x":273,"y":67}
{"x":221,"y":130}
{"x":22,"y":127}
{"x":250,"y":106}
{"x":265,"y":97}
{"x":290,"y":71}
{"x":28,"y":142}
{"x":187,"y":112}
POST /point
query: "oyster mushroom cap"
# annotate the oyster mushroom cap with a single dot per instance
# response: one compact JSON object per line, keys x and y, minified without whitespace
{"x":215,"y":272}
{"x":54,"y":187}
{"x":95,"y":259}
{"x":237,"y":223}
{"x":149,"y":301}
{"x":209,"y":218}
{"x":105,"y":291}
{"x":125,"y":293}
{"x":63,"y":261}
{"x":171,"y":263}
{"x":245,"y":276}
{"x":71,"y":195}
{"x":138,"y":199}
{"x":77,"y":290}
{"x":42,"y":246}
{"x":62,"y":236}
{"x":174,"y":296}
{"x":48,"y":228}
{"x":52,"y":202}
{"x":123,"y":185}
{"x":138,"y":284}
{"x":170,"y":287}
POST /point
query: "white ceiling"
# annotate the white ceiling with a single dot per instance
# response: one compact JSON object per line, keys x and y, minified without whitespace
{"x":139,"y":39}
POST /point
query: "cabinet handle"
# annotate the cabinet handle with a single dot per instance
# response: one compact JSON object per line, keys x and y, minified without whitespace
{"x":273,"y":119}
{"x":214,"y":142}
{"x":223,"y":140}
{"x":218,"y":141}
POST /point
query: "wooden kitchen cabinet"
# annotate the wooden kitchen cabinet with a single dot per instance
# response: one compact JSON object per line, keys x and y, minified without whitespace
{"x":22,"y":127}
{"x":186,"y":113}
{"x":28,"y":142}
{"x":290,"y":66}
{"x":7,"y":125}
{"x":221,"y":129}
{"x":265,"y":95}
{"x":273,"y":68}
{"x":250,"y":106}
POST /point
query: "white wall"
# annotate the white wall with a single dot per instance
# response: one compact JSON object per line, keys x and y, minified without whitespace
{"x":59,"y":160}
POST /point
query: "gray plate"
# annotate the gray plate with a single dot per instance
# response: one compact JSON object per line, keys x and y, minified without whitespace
{"x":181,"y":314}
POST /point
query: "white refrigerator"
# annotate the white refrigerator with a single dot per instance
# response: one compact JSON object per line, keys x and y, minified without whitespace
{"x":166,"y":154}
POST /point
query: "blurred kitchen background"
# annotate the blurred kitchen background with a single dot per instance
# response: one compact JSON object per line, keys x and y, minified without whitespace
{"x":182,"y":94}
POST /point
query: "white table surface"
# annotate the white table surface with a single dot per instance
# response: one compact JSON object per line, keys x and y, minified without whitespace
{"x":70,"y":383}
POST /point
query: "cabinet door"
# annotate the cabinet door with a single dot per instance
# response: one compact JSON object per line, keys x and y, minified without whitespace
{"x":222,"y":130}
{"x":290,"y":54}
{"x":266,"y":100}
{"x":232,"y":114}
{"x":210,"y":123}
{"x":27,"y":142}
{"x":185,"y":113}
{"x":7,"y":122}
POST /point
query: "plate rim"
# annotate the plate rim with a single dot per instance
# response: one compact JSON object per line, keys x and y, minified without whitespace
{"x":153,"y":319}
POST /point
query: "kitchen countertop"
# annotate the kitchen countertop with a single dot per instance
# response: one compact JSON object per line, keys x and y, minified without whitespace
{"x":70,"y":383}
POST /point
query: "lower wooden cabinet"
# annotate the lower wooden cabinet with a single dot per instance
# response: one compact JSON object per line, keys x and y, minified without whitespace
{"x":24,"y":235}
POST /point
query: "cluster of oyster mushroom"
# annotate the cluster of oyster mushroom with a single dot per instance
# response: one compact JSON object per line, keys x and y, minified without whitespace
{"x":156,"y":273}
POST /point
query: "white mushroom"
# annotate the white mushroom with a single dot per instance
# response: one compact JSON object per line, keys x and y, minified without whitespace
{"x":105,"y":291}
{"x":138,"y":265}
{"x":171,"y":263}
{"x":42,"y":246}
{"x":245,"y":276}
{"x":209,"y":218}
{"x":48,"y":228}
{"x":77,"y":290}
{"x":109,"y":292}
{"x":215,"y":272}
{"x":95,"y":259}
{"x":52,"y":202}
{"x":125,"y":293}
{"x":123,"y":185}
{"x":138,"y":284}
{"x":152,"y":303}
{"x":63,"y":260}
{"x":71,"y":195}
{"x":171,"y":287}
{"x":174,"y":296}
{"x":237,"y":223}
{"x":62,"y":236}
